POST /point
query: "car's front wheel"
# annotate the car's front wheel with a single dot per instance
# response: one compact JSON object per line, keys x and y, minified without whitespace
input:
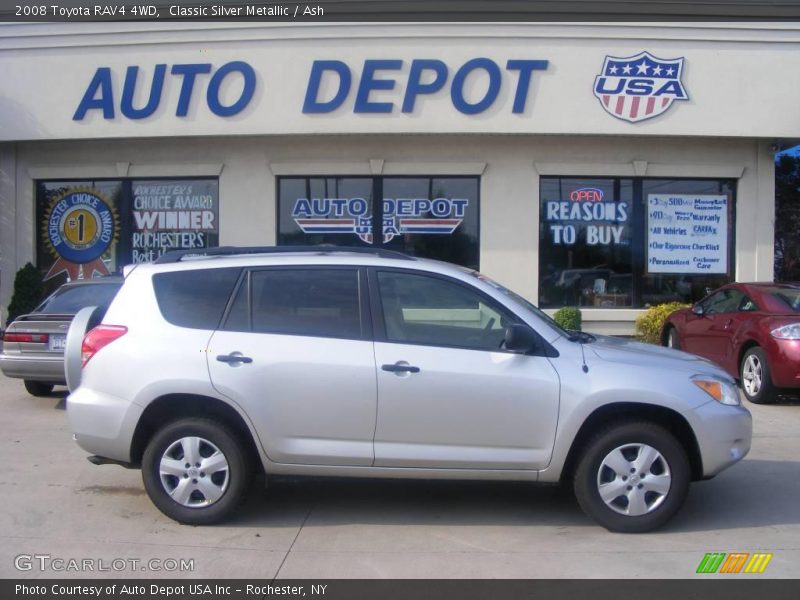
{"x":755,"y":377}
{"x":632,"y":477}
{"x":196,"y":471}
{"x":38,"y":388}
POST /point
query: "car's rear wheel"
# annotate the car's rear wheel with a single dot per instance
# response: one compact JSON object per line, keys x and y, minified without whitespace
{"x":632,"y":477}
{"x":38,"y":388}
{"x":196,"y":471}
{"x":756,"y":378}
{"x":673,"y":340}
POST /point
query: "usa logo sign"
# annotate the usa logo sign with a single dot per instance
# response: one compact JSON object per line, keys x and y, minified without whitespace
{"x":639,"y":87}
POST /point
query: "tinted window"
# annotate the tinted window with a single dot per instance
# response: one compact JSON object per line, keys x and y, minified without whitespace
{"x":789,"y":296}
{"x":71,"y":298}
{"x":195,"y":298}
{"x":427,"y":310}
{"x":311,"y":302}
{"x":723,"y":302}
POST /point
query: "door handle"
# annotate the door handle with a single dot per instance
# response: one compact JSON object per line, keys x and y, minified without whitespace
{"x":233,"y":358}
{"x":400,"y":367}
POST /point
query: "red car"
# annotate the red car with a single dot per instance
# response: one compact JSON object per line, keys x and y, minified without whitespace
{"x":752,"y":330}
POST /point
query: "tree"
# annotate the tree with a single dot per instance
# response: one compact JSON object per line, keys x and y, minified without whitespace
{"x":28,"y":291}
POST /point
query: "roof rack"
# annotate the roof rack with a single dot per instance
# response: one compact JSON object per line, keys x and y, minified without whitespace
{"x":178,"y":255}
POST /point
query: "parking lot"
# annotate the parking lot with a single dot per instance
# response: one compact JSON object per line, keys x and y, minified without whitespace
{"x":56,"y":504}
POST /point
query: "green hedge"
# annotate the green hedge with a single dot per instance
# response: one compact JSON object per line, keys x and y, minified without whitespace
{"x":650,"y":323}
{"x":569,"y":317}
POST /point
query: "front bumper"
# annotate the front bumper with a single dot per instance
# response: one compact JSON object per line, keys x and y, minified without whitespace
{"x":103,"y":424}
{"x":49,"y":369}
{"x":784,"y":363}
{"x":723,"y":433}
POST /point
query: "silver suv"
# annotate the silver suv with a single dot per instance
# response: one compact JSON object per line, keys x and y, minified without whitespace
{"x":366,"y":363}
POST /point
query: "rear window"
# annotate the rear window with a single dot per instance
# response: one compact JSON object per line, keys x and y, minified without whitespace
{"x":789,"y":296}
{"x":69,"y":299}
{"x":196,"y":298}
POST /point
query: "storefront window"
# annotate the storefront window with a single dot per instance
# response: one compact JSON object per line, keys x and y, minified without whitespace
{"x":90,"y":228}
{"x":633,"y":242}
{"x":434,"y":217}
{"x":78,"y":229}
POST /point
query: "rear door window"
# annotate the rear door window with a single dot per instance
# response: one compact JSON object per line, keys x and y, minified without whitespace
{"x":316,"y":302}
{"x":196,"y":298}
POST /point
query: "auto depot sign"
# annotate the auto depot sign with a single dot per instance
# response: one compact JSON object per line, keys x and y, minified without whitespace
{"x":122,"y":87}
{"x":425,"y":77}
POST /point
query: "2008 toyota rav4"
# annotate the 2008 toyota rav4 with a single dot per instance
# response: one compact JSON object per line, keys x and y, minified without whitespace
{"x":375,"y":364}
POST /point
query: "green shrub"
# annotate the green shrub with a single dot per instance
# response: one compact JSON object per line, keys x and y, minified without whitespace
{"x":28,"y":292}
{"x":569,"y":317}
{"x":650,"y":323}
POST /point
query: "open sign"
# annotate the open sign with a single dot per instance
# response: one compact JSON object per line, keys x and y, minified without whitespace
{"x":586,"y":195}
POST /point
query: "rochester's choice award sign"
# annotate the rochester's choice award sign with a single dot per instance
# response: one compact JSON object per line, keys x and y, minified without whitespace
{"x":687,"y":233}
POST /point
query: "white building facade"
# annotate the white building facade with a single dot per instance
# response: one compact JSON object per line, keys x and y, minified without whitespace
{"x":605,"y":166}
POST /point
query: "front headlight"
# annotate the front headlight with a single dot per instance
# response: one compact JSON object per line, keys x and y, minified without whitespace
{"x":723,"y":392}
{"x":787,"y":332}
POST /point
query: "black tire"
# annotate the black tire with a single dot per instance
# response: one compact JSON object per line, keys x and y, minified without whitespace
{"x":661,"y":507}
{"x":672,"y":339}
{"x":766,"y":393}
{"x":38,"y":388}
{"x":239,"y":470}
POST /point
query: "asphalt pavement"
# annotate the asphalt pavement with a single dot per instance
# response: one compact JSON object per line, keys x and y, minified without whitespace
{"x":57,"y":505}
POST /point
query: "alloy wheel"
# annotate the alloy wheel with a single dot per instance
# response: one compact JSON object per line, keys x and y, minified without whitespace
{"x":752,"y":375}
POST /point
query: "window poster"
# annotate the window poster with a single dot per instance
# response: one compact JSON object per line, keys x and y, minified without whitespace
{"x":173,"y":215}
{"x":79,"y":229}
{"x":687,"y":233}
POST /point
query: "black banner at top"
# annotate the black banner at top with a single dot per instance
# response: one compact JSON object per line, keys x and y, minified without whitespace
{"x":400,"y":10}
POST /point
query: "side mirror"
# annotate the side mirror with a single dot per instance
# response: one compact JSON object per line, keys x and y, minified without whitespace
{"x":520,"y":338}
{"x":698,"y":310}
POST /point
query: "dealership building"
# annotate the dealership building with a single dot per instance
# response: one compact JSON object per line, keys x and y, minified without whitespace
{"x":609,"y":166}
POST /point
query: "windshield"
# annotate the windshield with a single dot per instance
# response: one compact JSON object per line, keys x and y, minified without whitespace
{"x":789,"y":296}
{"x":69,"y":299}
{"x":517,"y":298}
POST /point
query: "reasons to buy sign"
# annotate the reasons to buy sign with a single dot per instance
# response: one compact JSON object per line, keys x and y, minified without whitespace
{"x":687,"y":233}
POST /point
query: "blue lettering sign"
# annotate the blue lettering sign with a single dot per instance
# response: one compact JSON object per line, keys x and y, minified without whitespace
{"x":457,"y":90}
{"x":425,"y":77}
{"x":312,"y":103}
{"x":415,"y":86}
{"x":369,"y":83}
{"x":99,"y":94}
{"x":100,"y":82}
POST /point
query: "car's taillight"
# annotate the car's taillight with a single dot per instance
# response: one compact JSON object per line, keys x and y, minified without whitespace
{"x":39,"y":338}
{"x":98,"y":338}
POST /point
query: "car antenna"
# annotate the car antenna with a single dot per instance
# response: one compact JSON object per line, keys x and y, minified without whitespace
{"x":585,"y":367}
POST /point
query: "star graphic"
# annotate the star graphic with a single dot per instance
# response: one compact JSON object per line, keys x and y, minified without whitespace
{"x":657,"y":71}
{"x":670,"y":71}
{"x":613,"y":70}
{"x":642,"y":68}
{"x":626,"y":69}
